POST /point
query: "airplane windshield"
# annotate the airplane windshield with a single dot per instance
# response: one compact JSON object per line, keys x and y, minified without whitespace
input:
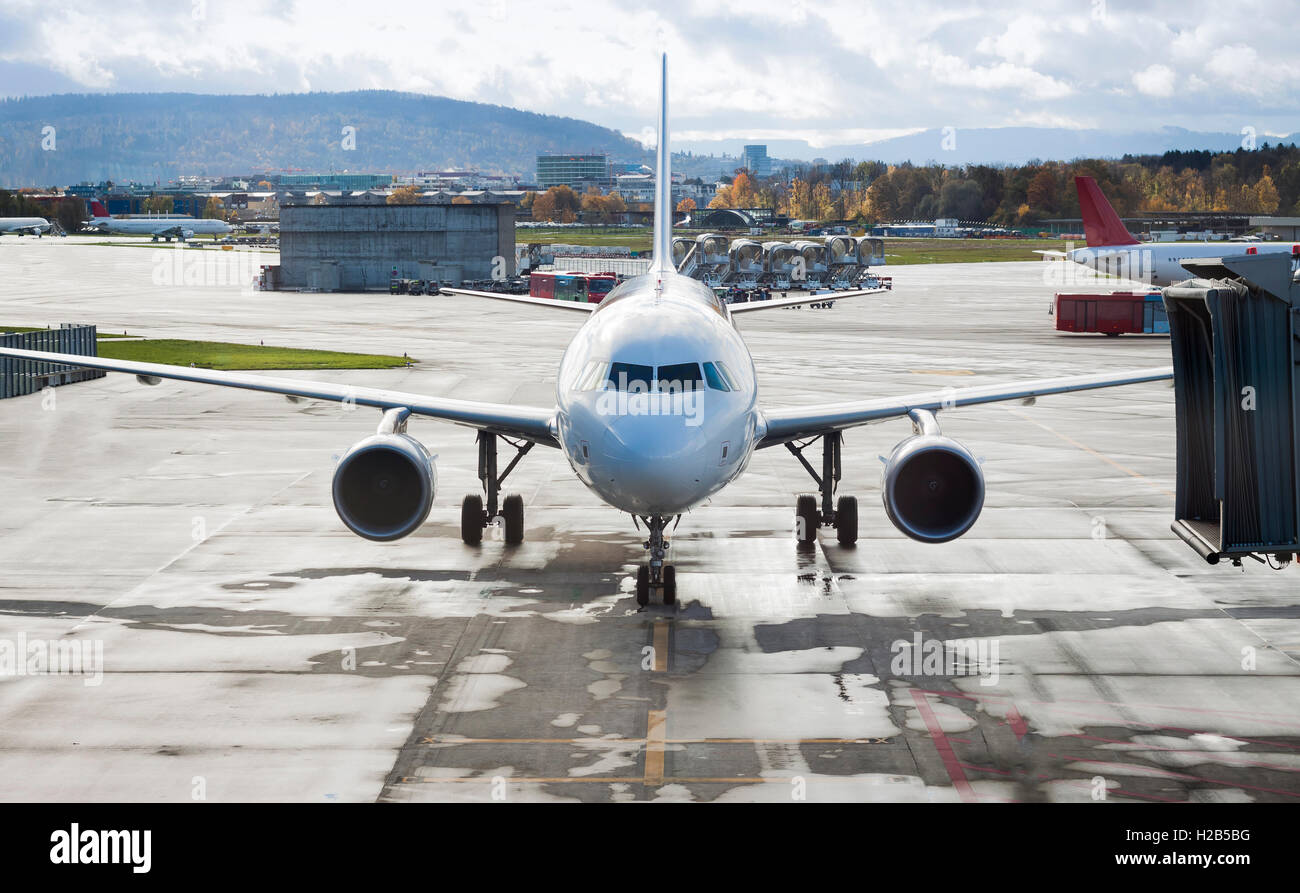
{"x":629,"y":377}
{"x":680,"y":378}
{"x":720,"y":378}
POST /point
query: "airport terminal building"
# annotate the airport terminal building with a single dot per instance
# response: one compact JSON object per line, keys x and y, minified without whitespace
{"x":361,"y":246}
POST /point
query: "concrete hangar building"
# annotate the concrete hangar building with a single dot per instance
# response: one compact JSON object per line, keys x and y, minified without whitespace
{"x":360,"y":243}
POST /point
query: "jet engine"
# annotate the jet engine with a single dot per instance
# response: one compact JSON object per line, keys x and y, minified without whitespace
{"x":384,"y":486}
{"x":932,"y":486}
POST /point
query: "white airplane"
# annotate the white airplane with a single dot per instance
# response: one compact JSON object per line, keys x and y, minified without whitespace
{"x":1113,"y":250}
{"x":35,"y":226}
{"x":180,"y":227}
{"x":657,"y":409}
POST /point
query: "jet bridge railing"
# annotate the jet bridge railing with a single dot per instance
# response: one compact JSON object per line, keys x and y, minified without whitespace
{"x":19,"y":377}
{"x":1235,"y":338}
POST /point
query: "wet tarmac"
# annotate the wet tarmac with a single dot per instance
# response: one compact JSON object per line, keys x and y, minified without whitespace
{"x":253,"y":649}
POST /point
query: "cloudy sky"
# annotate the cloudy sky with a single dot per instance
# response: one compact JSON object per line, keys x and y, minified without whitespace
{"x":825,"y":72}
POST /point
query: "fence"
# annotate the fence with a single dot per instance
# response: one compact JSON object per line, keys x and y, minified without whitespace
{"x":19,"y":377}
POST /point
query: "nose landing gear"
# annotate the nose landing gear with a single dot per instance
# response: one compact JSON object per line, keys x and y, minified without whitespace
{"x":656,"y":574}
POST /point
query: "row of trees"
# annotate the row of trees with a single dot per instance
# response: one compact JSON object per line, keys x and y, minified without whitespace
{"x":560,"y":204}
{"x":1259,"y":181}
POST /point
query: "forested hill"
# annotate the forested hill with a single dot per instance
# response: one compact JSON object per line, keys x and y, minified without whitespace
{"x":157,"y":136}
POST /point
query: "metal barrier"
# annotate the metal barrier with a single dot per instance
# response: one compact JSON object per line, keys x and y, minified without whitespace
{"x":19,"y":377}
{"x":1235,"y":334}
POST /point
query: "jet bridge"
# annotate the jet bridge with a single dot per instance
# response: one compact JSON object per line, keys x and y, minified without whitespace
{"x":746,"y":264}
{"x":842,"y":260}
{"x":812,"y":258}
{"x":711,"y":250}
{"x":779,"y":264}
{"x":684,"y":257}
{"x":1235,"y":336}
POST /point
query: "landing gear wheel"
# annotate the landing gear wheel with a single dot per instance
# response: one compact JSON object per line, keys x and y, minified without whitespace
{"x":643,"y":585}
{"x":846,"y":520}
{"x":512,"y":511}
{"x":807,"y":520}
{"x":471,"y":519}
{"x":670,"y":585}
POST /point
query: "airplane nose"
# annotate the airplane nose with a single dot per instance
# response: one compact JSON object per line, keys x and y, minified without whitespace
{"x":652,"y":464}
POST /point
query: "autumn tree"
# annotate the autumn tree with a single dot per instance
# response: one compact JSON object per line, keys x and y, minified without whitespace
{"x":557,"y":204}
{"x":404,"y":195}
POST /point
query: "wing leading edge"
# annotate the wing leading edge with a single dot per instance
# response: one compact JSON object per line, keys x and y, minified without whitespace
{"x":527,"y":422}
{"x":788,"y":424}
{"x":824,"y":298}
{"x":522,"y":299}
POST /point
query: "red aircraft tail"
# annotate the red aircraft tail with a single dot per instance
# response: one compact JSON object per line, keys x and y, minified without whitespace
{"x":1101,"y":225}
{"x":97,"y":209}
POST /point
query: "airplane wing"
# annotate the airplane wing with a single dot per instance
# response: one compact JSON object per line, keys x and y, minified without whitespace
{"x":522,"y":299}
{"x":751,"y":306}
{"x":793,"y":423}
{"x":527,"y":422}
{"x":1046,"y":253}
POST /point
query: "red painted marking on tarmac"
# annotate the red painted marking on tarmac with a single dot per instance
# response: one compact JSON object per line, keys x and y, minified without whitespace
{"x":1018,"y":724}
{"x":985,"y":769}
{"x":950,"y":762}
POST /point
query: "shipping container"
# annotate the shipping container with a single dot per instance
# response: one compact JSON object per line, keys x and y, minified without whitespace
{"x":1117,"y":313}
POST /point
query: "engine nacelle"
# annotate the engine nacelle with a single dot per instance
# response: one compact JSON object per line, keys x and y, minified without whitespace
{"x":384,"y":486}
{"x":933,"y":488}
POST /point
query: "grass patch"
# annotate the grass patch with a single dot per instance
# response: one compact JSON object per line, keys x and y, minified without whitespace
{"x":966,"y":251}
{"x":220,"y":355}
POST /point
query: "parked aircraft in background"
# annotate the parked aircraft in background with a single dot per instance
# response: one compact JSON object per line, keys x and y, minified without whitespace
{"x":165,"y":227}
{"x":25,"y":226}
{"x":1113,"y":250}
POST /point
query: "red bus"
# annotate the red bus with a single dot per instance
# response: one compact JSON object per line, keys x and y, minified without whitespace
{"x":1119,"y":312}
{"x":585,"y":288}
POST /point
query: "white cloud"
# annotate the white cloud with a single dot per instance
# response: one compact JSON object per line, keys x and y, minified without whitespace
{"x":1155,"y":80}
{"x":785,"y":68}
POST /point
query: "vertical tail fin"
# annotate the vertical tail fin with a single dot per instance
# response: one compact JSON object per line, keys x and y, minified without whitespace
{"x":97,"y":209}
{"x":1101,"y":225}
{"x":663,"y":244}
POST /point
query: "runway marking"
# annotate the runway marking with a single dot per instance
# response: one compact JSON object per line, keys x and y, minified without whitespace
{"x":661,"y":646}
{"x":950,"y":762}
{"x":591,"y":779}
{"x":655,"y":732}
{"x":438,"y":739}
{"x":1087,"y":449}
{"x":1151,"y":771}
{"x":1018,"y":724}
{"x":941,"y":371}
{"x":1220,"y":758}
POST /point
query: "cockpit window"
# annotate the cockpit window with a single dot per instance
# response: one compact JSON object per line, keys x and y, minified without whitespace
{"x":629,"y":377}
{"x":680,"y":378}
{"x":720,"y":378}
{"x":593,"y":375}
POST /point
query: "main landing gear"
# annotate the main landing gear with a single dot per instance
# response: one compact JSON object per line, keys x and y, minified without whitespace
{"x":843,"y":514}
{"x":474,"y":518}
{"x":656,"y":574}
